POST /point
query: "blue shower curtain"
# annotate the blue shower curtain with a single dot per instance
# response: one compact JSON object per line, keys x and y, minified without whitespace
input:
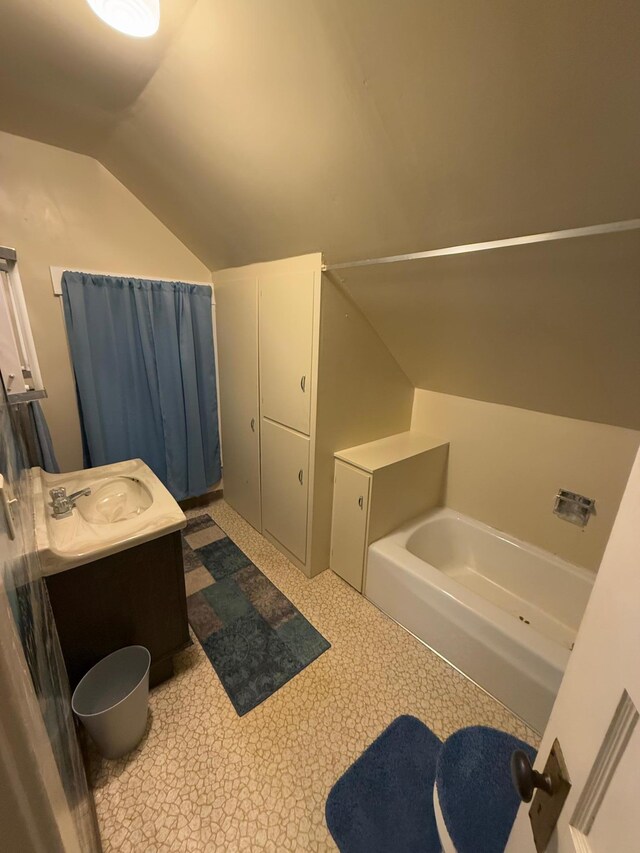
{"x":44,"y":445}
{"x":143,"y":359}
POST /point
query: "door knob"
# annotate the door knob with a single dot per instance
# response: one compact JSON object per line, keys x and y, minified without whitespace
{"x":525,"y":779}
{"x":361,"y":501}
{"x":303,"y":383}
{"x":253,"y":424}
{"x":300,"y":476}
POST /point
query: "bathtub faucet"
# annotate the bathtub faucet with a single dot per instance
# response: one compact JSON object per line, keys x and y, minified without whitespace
{"x":63,"y":503}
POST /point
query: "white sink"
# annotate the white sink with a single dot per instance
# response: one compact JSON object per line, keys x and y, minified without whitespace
{"x":128,"y":505}
{"x":118,"y":499}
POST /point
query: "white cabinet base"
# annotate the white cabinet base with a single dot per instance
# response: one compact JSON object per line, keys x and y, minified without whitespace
{"x":285,"y":489}
{"x":349,"y":523}
{"x":377,"y":487}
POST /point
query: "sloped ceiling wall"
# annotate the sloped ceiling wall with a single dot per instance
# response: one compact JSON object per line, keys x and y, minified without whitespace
{"x":553,"y":327}
{"x":258,"y":129}
{"x":365,"y":127}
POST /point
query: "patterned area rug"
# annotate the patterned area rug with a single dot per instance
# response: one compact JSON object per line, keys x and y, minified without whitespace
{"x":254,"y":637}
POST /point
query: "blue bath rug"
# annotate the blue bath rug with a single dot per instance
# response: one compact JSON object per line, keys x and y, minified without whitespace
{"x":473,"y":780}
{"x":384,"y":802}
{"x":254,"y":637}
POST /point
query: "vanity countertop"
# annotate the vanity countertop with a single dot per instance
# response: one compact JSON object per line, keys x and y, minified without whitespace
{"x":106,"y":521}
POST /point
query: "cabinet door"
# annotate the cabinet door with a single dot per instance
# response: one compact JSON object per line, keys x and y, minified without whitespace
{"x":349,"y":523}
{"x":237,"y":337}
{"x":285,"y":471}
{"x":286,"y":336}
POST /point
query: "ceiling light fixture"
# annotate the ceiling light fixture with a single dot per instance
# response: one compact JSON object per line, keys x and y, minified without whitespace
{"x":138,"y":18}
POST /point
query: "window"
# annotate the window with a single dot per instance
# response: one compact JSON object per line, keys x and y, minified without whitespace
{"x":18,"y":360}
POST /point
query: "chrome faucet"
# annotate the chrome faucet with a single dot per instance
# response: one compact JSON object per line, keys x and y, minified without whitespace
{"x":63,"y":503}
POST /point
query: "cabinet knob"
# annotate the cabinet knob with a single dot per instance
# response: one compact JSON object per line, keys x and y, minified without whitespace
{"x":253,"y":424}
{"x":303,"y":383}
{"x":361,"y":501}
{"x":300,"y":476}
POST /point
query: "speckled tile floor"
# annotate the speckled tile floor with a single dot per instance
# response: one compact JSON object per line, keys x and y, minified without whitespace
{"x":204,"y":779}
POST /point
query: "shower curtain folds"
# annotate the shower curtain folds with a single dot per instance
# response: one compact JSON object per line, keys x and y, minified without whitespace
{"x":144,"y":365}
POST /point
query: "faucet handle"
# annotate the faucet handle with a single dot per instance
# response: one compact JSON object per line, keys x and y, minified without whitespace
{"x":58,"y":493}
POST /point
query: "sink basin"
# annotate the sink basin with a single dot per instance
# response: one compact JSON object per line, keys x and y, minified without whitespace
{"x":128,"y":505}
{"x":115,"y":500}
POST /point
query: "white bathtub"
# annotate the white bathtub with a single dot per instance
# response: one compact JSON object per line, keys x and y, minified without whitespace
{"x":503,"y":612}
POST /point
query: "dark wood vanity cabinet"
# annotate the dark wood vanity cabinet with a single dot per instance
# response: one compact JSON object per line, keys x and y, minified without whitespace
{"x":134,"y":597}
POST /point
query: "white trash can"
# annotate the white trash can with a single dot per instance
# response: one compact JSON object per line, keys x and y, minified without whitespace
{"x":112,"y":700}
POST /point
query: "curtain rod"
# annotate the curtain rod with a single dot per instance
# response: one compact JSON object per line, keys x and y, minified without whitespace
{"x":546,"y":237}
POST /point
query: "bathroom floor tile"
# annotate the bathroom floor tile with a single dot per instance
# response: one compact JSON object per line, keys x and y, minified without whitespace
{"x":209,"y":781}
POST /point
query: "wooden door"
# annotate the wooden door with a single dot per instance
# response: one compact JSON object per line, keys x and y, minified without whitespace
{"x":237,"y":336}
{"x":349,"y":523}
{"x":285,"y":472}
{"x":595,"y":716}
{"x":286,"y":337}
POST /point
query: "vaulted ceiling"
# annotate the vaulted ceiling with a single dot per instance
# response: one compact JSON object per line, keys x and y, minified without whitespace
{"x":259,"y":129}
{"x":263,"y":128}
{"x":67,"y":78}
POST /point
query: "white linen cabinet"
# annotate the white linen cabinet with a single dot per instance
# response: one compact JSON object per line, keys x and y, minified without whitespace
{"x":288,"y":343}
{"x":267,"y":327}
{"x":286,"y":348}
{"x":302,"y":373}
{"x":237,"y":339}
{"x":285,"y":486}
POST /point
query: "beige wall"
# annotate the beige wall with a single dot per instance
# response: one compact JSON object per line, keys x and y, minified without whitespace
{"x":362,"y":395}
{"x":551,"y":327}
{"x":506,"y":465}
{"x":64,"y":209}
